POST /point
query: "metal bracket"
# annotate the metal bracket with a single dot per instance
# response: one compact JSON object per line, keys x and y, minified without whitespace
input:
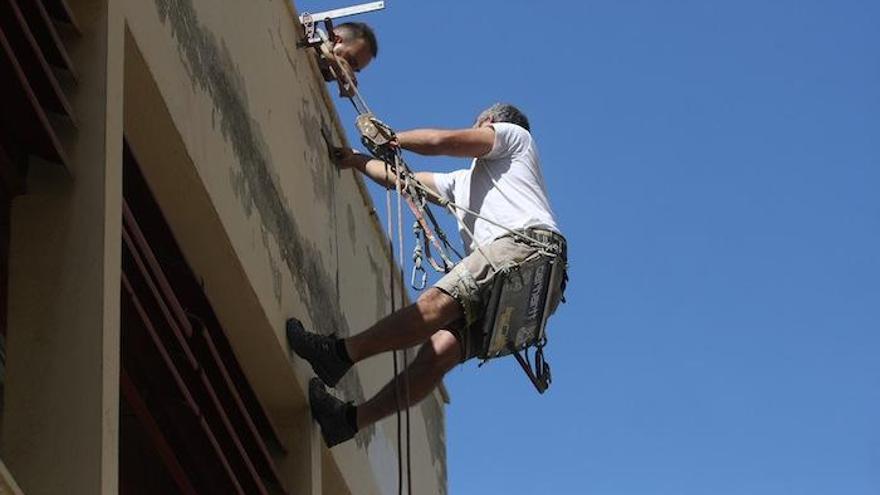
{"x":361,"y":8}
{"x":312,"y":37}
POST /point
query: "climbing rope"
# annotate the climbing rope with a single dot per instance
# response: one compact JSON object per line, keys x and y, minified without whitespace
{"x":399,"y":186}
{"x":391,"y":276}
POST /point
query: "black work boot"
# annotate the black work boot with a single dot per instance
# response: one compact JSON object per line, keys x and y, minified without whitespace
{"x":319,"y":350}
{"x":331,"y":414}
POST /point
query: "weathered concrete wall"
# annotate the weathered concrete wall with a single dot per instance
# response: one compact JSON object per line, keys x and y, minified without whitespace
{"x":226,"y":117}
{"x":61,"y":417}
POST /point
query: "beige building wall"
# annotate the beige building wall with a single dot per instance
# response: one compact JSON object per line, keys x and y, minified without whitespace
{"x":227,"y":119}
{"x":61,"y":414}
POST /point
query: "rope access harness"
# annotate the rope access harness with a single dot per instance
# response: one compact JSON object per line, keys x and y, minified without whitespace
{"x":379,"y":139}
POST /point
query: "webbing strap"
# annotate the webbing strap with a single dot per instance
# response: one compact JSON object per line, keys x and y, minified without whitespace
{"x":540,"y":376}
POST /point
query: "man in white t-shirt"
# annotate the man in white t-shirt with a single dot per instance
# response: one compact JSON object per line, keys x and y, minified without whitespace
{"x":504,"y":184}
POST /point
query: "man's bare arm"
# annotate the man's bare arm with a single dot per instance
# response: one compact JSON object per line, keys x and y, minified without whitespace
{"x":472,"y":143}
{"x":427,"y":178}
{"x":380,"y":173}
{"x":377,"y":170}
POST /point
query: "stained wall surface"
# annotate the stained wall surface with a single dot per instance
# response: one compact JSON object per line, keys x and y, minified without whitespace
{"x":230,"y":122}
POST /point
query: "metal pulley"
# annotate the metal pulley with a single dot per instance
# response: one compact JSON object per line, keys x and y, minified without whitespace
{"x":374,"y":131}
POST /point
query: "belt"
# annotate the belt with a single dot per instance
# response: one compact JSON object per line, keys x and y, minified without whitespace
{"x":545,"y":235}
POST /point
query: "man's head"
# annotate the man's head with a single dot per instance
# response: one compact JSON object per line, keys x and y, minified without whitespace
{"x":355,"y":42}
{"x":503,"y":112}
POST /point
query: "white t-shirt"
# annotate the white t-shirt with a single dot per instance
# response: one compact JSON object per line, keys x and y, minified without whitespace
{"x":505,"y":185}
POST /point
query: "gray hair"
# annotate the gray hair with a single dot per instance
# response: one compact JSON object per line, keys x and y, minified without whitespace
{"x":505,"y":112}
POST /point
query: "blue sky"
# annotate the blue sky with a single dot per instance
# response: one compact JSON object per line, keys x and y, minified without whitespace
{"x":715,"y":167}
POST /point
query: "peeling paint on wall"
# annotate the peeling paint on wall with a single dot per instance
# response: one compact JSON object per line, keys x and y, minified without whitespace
{"x":350,"y":223}
{"x":213,"y":71}
{"x":381,"y":286}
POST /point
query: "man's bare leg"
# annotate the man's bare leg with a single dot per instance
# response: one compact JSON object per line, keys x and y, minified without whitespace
{"x":331,"y":358}
{"x":407,"y":327}
{"x":436,"y":357}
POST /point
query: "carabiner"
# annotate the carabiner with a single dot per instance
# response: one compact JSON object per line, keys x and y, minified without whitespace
{"x":414,"y":282}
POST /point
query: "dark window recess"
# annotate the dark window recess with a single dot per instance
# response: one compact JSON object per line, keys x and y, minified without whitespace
{"x":32,"y":98}
{"x":32,"y":59}
{"x":35,"y":77}
{"x":190,"y":421}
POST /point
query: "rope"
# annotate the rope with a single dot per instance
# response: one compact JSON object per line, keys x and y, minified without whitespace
{"x":399,"y":186}
{"x":452,"y":206}
{"x":394,"y":353}
{"x":361,"y":108}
